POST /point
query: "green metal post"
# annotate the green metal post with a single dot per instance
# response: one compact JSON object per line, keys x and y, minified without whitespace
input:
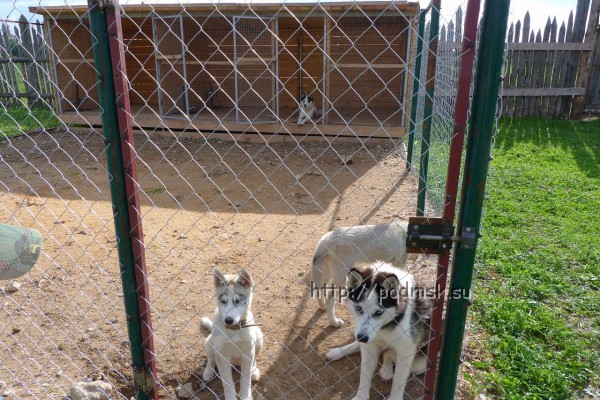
{"x":429,"y":93}
{"x":117,"y":176}
{"x":415,"y":95}
{"x":483,"y":112}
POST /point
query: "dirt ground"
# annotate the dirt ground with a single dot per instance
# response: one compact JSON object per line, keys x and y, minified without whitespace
{"x":205,"y":204}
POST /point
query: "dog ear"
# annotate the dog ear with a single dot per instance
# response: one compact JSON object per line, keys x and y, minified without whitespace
{"x":219,"y":279}
{"x":354,"y":278}
{"x":244,"y":279}
{"x":390,"y":282}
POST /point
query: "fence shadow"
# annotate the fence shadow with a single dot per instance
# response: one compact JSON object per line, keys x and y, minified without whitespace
{"x":579,"y":138}
{"x":200,"y":175}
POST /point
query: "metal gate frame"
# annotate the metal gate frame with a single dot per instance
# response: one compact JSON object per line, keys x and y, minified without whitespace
{"x":275,"y":51}
{"x":157,"y":63}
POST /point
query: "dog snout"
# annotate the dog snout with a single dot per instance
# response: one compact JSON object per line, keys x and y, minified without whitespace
{"x":228,"y":320}
{"x":361,"y":337}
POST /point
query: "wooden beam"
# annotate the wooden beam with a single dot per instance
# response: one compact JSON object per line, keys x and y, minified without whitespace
{"x":544,"y":92}
{"x":551,"y":46}
{"x":152,"y":123}
{"x":408,"y":8}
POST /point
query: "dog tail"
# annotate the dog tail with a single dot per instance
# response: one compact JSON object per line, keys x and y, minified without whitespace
{"x":206,"y":323}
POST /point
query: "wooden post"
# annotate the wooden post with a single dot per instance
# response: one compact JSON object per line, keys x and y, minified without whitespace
{"x":593,"y":90}
{"x":533,"y":83}
{"x":29,"y":77}
{"x":575,"y":56}
{"x":545,"y":71}
{"x":563,"y":65}
{"x":4,"y":64}
{"x":520,"y":73}
{"x":526,"y":63}
{"x":510,"y":64}
{"x":587,"y":58}
{"x":554,"y":65}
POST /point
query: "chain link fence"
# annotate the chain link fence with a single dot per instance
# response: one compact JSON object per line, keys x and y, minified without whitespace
{"x":227,"y":179}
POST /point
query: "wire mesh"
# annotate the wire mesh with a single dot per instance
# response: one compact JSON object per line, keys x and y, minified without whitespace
{"x":446,"y":77}
{"x":220,"y":188}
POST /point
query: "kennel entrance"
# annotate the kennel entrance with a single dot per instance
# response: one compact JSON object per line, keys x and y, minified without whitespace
{"x":255,"y":64}
{"x":208,"y":70}
{"x":171,"y":71}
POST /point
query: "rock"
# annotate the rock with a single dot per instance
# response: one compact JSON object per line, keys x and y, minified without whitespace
{"x":345,"y":160}
{"x":97,"y":390}
{"x":15,"y":330}
{"x":14,"y":287}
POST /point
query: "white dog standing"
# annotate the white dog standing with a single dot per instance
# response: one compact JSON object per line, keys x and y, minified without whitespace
{"x":340,"y":249}
{"x":308,"y":109}
{"x":392,"y":314}
{"x":235,"y":339}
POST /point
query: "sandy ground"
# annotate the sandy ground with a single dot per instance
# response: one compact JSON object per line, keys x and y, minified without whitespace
{"x":205,"y":204}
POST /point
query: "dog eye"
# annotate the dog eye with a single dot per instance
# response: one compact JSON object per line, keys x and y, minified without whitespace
{"x":223,"y":301}
{"x":236,"y":301}
{"x":378,"y":313}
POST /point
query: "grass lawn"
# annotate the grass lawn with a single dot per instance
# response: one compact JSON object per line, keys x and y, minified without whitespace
{"x":537,"y":299}
{"x":18,"y":120}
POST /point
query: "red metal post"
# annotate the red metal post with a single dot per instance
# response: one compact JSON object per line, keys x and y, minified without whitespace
{"x":113,"y":17}
{"x":455,"y":158}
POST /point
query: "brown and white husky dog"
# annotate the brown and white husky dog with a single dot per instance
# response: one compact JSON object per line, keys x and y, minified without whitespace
{"x":391,"y":316}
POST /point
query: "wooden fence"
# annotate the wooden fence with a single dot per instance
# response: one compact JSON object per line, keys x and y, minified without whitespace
{"x":552,"y":73}
{"x":24,"y":68}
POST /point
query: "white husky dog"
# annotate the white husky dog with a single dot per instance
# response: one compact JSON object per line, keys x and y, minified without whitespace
{"x":308,"y":109}
{"x":235,"y":339}
{"x":340,"y":249}
{"x":393,"y":315}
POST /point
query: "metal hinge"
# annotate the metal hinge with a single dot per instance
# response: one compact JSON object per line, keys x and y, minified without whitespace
{"x":143,"y":379}
{"x":468,"y":237}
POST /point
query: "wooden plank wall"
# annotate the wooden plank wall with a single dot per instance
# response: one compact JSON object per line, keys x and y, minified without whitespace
{"x":24,"y":68}
{"x":544,"y":68}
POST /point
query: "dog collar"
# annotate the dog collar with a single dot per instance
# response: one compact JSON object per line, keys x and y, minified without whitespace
{"x":241,"y":325}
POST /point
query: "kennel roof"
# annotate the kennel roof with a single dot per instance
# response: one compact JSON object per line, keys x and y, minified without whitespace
{"x":405,"y":7}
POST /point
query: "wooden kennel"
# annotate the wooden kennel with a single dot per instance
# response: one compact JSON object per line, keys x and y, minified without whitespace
{"x":239,"y":68}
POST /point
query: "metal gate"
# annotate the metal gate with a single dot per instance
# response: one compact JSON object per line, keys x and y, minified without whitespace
{"x":256,"y":69}
{"x":171,"y":74}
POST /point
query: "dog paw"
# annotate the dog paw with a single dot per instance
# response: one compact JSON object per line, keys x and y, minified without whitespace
{"x":208,"y":374}
{"x":334,"y":354}
{"x":337,"y":322}
{"x":255,"y":375}
{"x":386,"y":372}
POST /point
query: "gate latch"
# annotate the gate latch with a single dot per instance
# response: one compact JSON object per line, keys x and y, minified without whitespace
{"x":429,"y":235}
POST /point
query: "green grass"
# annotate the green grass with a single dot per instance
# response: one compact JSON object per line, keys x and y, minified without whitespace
{"x":537,"y":281}
{"x":19,"y":120}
